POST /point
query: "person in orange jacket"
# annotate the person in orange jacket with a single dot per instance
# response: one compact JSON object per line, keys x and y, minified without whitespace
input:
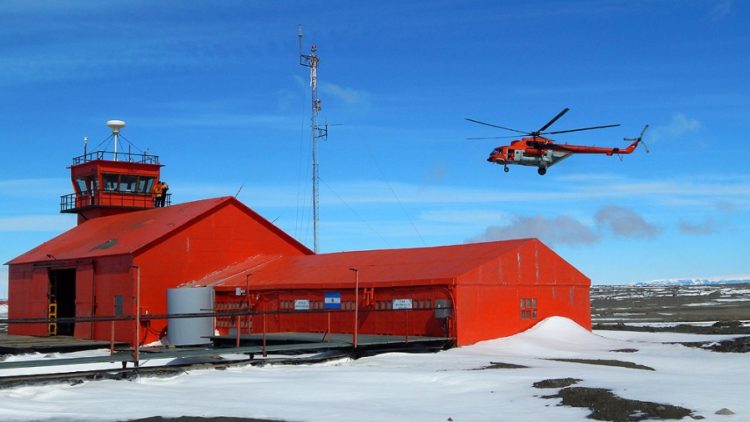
{"x":163,"y":197}
{"x":157,"y":191}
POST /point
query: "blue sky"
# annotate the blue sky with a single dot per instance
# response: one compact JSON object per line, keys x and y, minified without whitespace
{"x":216,"y":90}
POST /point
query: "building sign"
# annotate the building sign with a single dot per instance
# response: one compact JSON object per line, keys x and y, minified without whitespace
{"x":401,"y":303}
{"x":333,"y":300}
{"x":301,"y":305}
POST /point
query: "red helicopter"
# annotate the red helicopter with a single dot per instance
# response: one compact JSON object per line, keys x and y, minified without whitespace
{"x":542,"y":152}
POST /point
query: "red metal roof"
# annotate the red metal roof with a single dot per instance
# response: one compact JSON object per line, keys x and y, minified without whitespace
{"x":414,"y":266}
{"x":235,"y":273}
{"x":131,"y":232}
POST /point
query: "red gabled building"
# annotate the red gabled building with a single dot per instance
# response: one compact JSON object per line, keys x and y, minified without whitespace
{"x":469,"y":292}
{"x":92,"y":269}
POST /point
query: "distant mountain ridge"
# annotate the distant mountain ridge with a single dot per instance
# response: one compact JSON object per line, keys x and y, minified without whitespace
{"x":698,"y":281}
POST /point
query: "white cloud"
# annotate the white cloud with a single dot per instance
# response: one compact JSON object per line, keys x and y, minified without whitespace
{"x":706,"y":191}
{"x":36,"y":223}
{"x":625,"y":222}
{"x":467,"y":217}
{"x":678,"y":127}
{"x":721,"y":9}
{"x":220,"y":119}
{"x":560,"y":230}
{"x":37,"y":188}
{"x":349,"y":96}
{"x":707,"y":226}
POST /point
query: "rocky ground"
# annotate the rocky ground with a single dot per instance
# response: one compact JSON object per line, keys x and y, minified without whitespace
{"x":669,"y":306}
{"x":713,"y":309}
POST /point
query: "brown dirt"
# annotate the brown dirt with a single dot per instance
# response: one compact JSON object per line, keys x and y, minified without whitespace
{"x":557,"y":383}
{"x":606,"y":406}
{"x":738,"y":345}
{"x":608,"y":362}
{"x":500,"y":365}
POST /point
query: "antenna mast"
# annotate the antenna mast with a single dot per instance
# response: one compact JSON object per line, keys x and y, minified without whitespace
{"x":318,"y":132}
{"x":116,"y":125}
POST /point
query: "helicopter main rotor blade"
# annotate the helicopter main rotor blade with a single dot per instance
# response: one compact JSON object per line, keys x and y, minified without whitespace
{"x":578,"y":130}
{"x":499,"y":127}
{"x":474,"y":138}
{"x":554,"y":119}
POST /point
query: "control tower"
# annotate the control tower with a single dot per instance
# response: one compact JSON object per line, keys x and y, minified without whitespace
{"x":111,"y":182}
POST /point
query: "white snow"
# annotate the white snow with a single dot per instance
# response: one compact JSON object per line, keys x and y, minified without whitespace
{"x":418,"y":387}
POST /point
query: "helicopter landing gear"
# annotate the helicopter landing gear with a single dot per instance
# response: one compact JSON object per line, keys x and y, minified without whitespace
{"x":542,"y":171}
{"x":506,"y":169}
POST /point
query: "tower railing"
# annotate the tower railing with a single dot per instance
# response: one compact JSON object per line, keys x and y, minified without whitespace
{"x":141,"y":158}
{"x":75,"y":202}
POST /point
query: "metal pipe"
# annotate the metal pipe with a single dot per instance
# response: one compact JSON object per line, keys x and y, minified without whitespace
{"x":247,"y":299}
{"x":355,"y":335}
{"x":264,"y":335}
{"x":237,"y":324}
{"x":328,"y":329}
{"x":112,"y":333}
{"x":137,"y":345}
{"x":406,"y":337}
{"x":116,"y":141}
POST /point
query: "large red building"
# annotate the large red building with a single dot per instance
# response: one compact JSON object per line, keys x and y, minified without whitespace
{"x":125,"y":248}
{"x":93,"y":269}
{"x":469,"y":292}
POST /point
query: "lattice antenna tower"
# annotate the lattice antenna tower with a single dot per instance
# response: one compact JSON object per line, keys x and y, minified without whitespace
{"x":317,"y":132}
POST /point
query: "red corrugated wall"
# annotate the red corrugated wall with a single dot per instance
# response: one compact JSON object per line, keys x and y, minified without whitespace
{"x":113,"y":276}
{"x":489,"y":298}
{"x":375,"y":315}
{"x":225,"y":236}
{"x":28,"y":287}
{"x":84,"y":299}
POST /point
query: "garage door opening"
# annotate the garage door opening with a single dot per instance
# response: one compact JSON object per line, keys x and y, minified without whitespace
{"x":62,"y":301}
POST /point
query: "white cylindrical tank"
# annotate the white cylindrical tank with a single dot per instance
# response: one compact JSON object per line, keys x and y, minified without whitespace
{"x":190,"y":300}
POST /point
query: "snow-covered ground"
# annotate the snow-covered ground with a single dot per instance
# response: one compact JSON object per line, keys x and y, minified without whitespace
{"x":419,"y":387}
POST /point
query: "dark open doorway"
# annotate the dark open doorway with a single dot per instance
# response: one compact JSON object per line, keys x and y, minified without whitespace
{"x":62,"y":298}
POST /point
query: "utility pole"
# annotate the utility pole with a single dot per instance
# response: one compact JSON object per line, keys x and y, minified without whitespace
{"x":311,"y":60}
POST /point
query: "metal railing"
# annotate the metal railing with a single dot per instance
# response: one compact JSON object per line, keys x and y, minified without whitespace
{"x":143,"y":321}
{"x":75,"y":202}
{"x":141,"y":158}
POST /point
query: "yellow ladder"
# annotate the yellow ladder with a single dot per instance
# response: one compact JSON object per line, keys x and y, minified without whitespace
{"x":52,"y":316}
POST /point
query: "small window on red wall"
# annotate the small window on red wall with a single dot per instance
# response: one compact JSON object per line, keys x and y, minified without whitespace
{"x":528,"y":308}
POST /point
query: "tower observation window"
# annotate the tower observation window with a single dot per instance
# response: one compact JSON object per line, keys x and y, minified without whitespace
{"x":127,"y":183}
{"x":81,"y":184}
{"x":111,"y":181}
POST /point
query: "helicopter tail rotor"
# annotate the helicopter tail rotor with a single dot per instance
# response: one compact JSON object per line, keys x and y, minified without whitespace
{"x":639,"y":139}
